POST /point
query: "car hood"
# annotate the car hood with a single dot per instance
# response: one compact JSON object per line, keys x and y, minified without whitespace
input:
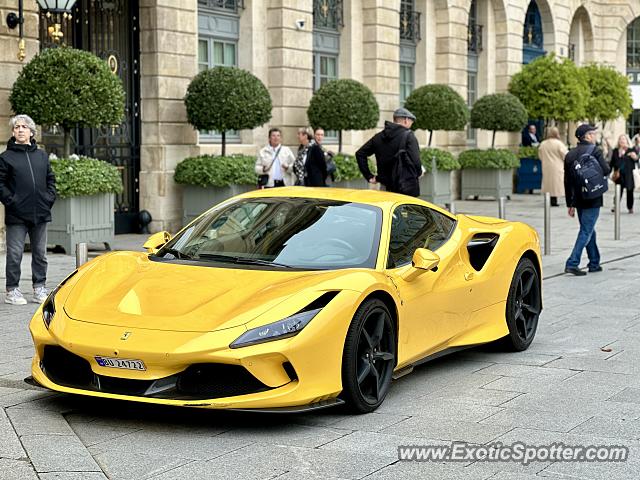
{"x":129,"y":290}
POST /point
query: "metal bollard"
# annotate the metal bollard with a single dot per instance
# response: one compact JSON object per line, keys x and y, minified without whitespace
{"x":616,"y":213}
{"x":501,"y":207}
{"x":82,"y":254}
{"x":547,"y":223}
{"x":452,"y":207}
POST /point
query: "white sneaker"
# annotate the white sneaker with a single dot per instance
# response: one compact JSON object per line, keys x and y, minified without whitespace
{"x":40,"y":294}
{"x":15,"y":297}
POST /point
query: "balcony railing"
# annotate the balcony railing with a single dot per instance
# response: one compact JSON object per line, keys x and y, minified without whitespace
{"x":474,"y":39}
{"x":410,"y":25}
{"x":226,"y":5}
{"x":328,"y":14}
{"x":572,"y":52}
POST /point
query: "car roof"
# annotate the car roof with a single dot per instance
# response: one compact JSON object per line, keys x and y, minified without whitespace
{"x":384,"y":200}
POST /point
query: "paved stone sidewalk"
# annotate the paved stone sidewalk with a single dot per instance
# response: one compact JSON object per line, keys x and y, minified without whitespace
{"x":579,"y":384}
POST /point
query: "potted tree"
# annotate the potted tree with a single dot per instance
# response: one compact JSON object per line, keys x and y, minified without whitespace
{"x":209,"y":180}
{"x":343,"y":105}
{"x":503,"y":112}
{"x":227,"y":98}
{"x":437,"y":107}
{"x":83,"y":211}
{"x":609,"y":97}
{"x":71,"y":88}
{"x":487,"y":172}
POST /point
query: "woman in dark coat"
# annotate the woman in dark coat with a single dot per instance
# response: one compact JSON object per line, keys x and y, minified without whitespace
{"x":623,"y":161}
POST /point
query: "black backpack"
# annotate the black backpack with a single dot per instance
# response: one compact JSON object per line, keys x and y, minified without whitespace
{"x":404,"y":177}
{"x":589,"y":178}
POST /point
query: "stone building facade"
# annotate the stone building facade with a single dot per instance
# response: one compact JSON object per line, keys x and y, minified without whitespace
{"x":293,"y":46}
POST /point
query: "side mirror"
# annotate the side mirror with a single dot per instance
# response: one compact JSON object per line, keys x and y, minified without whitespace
{"x":155,"y":241}
{"x":423,"y":260}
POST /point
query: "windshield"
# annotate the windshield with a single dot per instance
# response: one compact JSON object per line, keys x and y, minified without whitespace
{"x":305,"y":233}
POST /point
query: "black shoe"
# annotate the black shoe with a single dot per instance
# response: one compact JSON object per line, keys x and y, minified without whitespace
{"x":575,"y":271}
{"x":595,"y":269}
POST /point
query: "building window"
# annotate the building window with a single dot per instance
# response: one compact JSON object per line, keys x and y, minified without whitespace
{"x":633,"y":45}
{"x":327,"y":14}
{"x":407,"y":81}
{"x":472,"y":96}
{"x":224,"y":5}
{"x":218,"y":33}
{"x":409,"y":21}
{"x":325,"y":69}
{"x":532,"y":36}
{"x":474,"y":47}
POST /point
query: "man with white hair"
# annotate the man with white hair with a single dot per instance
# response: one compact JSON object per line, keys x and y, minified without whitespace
{"x":27,"y":190}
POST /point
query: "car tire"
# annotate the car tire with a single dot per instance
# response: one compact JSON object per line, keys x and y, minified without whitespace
{"x":369,"y":357}
{"x":523,"y":307}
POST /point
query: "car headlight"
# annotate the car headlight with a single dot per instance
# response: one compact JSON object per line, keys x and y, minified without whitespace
{"x":49,"y":307}
{"x":285,"y":328}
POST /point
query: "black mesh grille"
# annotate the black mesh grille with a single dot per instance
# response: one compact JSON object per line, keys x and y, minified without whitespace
{"x":215,"y":380}
{"x":197,"y":382}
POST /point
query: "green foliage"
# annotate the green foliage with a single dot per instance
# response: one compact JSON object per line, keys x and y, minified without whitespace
{"x":610,"y":97}
{"x":551,"y":89}
{"x":528,"y":152}
{"x":499,"y":112}
{"x":85,"y":176}
{"x":227,"y":98}
{"x":445,"y":161}
{"x":343,"y":105}
{"x":346,"y":167}
{"x":492,"y":158}
{"x":437,"y":107}
{"x":211,"y":171}
{"x":68,"y":87}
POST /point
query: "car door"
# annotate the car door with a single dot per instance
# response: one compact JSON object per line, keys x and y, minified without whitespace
{"x":433,"y":306}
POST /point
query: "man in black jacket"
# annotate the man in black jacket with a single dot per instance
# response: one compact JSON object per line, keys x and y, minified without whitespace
{"x":385,"y":145}
{"x":27,"y":190}
{"x":588,"y":209}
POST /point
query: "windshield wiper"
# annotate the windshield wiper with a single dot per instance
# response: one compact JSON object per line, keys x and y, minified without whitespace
{"x":177,"y":253}
{"x":241,"y":260}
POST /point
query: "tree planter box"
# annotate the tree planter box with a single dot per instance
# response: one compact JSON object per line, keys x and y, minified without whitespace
{"x":196,"y":200}
{"x":488,"y":182}
{"x":87,"y":219}
{"x":529,"y":175}
{"x":442,"y":194}
{"x":356,"y":183}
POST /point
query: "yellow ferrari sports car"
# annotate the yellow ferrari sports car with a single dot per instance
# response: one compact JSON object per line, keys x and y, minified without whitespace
{"x":289,"y":299}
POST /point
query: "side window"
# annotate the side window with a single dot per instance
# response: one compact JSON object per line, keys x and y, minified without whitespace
{"x":413,"y":227}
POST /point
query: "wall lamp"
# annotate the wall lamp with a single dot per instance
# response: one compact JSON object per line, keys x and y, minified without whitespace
{"x":58,"y":9}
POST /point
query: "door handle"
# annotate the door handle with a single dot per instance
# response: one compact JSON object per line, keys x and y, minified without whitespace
{"x":468,"y":276}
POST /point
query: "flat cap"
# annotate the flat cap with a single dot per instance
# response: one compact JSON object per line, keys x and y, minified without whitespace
{"x":403,"y":113}
{"x":583,"y":129}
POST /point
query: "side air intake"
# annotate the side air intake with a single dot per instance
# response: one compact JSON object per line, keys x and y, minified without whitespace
{"x":480,"y":248}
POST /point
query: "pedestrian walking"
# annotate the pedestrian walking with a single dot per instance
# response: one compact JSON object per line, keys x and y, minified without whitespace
{"x":318,"y":135}
{"x":305,"y":138}
{"x":387,"y":146}
{"x":552,"y":151}
{"x":623,"y":161}
{"x":586,"y":157}
{"x":28,"y":191}
{"x":274,"y":164}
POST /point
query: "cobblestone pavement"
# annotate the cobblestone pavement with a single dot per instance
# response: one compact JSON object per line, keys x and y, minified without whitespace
{"x":578,"y":384}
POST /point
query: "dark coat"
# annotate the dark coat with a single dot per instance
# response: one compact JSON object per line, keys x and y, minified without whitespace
{"x":625,"y":164}
{"x":315,"y":167}
{"x":527,"y":141}
{"x":572,"y":194}
{"x":384,"y":145}
{"x":27,"y":184}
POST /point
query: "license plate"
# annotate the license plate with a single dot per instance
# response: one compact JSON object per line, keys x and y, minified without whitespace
{"x":125,"y":363}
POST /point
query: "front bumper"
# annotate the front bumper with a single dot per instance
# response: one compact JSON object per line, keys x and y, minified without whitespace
{"x":304,"y":370}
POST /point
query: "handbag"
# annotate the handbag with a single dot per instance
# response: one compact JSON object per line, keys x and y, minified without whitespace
{"x":615,"y":176}
{"x":263,"y":179}
{"x":636,"y":177}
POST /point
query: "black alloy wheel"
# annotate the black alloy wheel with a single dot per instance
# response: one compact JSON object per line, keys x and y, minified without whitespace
{"x":369,"y":357}
{"x":524,"y":304}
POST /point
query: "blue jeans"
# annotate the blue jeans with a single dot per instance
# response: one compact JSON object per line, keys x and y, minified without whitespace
{"x":586,"y":239}
{"x":16,"y":236}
